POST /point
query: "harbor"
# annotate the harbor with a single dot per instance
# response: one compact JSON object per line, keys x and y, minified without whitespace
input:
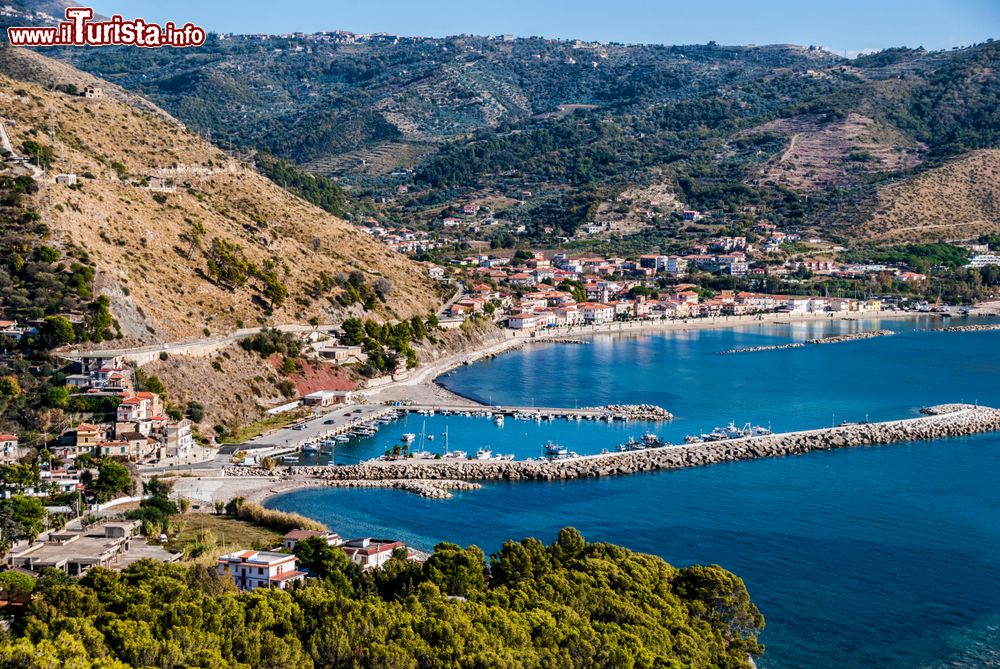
{"x":958,"y":420}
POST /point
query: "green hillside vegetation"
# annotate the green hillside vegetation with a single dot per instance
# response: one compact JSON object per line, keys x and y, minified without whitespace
{"x":690,"y":117}
{"x":566,"y":605}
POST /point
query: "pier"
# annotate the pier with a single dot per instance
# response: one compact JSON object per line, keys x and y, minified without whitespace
{"x":957,"y":420}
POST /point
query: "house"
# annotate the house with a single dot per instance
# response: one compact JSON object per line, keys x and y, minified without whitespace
{"x":326,"y":398}
{"x":108,"y":544}
{"x":295,"y":536}
{"x":435,"y":272}
{"x":93,"y":92}
{"x":523,"y":321}
{"x":522,"y":279}
{"x":595,"y":313}
{"x":66,"y":179}
{"x":370,"y":553}
{"x":88,"y":436}
{"x":8,"y":448}
{"x":10,"y":329}
{"x":341,"y":354}
{"x":142,"y":406}
{"x":984,"y":259}
{"x":250,"y":570}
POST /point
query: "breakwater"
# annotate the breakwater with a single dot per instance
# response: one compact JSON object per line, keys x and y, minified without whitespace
{"x":968,"y":328}
{"x":433,"y":489}
{"x":967,"y":419}
{"x":837,"y":339}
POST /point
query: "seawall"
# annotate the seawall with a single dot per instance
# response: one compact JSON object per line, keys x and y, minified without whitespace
{"x":966,"y":420}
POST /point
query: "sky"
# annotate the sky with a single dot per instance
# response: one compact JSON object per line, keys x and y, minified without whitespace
{"x":850,"y":26}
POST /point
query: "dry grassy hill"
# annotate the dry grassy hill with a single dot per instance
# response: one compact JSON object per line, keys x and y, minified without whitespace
{"x":956,"y":201}
{"x":141,"y":240}
{"x":822,"y":154}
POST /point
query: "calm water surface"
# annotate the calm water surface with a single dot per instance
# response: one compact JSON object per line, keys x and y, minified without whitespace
{"x":872,"y":557}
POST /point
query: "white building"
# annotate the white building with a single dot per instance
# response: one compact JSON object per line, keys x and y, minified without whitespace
{"x":295,"y":536}
{"x":984,"y":259}
{"x":522,"y":322}
{"x":596,"y":314}
{"x":259,"y":569}
{"x":8,"y":448}
{"x":370,"y":553}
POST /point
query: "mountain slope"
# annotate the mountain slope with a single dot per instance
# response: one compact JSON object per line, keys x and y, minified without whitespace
{"x":956,"y":201}
{"x":151,"y":257}
{"x":785,"y":134}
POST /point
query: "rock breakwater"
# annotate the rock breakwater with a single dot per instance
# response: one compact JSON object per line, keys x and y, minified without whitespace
{"x":965,"y":420}
{"x":968,"y":328}
{"x":836,"y":339}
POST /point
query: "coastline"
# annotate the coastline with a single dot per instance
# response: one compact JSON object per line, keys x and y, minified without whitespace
{"x":425,"y":386}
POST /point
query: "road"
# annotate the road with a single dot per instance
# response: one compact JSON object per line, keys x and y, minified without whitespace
{"x":336,"y":420}
{"x":181,"y":347}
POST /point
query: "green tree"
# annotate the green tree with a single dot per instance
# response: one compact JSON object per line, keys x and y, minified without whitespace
{"x":56,"y":331}
{"x":113,"y":478}
{"x":21,"y":518}
{"x":9,"y":387}
{"x":457,"y":571}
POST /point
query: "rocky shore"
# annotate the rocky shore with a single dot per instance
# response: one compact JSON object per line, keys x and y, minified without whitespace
{"x":968,"y":328}
{"x":941,"y":422}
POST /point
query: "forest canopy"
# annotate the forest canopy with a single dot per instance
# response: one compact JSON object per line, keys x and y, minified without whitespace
{"x":568,"y":604}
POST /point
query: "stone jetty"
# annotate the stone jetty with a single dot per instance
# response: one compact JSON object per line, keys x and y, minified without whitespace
{"x":433,"y":489}
{"x":958,"y":420}
{"x":836,"y":339}
{"x":757,"y":349}
{"x":646,"y":412}
{"x":968,"y":328}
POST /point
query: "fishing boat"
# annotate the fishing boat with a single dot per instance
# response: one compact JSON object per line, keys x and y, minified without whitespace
{"x":484,"y":454}
{"x":651,"y":440}
{"x":310,"y":447}
{"x":498,"y":420}
{"x":693,"y":439}
{"x":554,"y":451}
{"x":408,"y":437}
{"x":456,"y":455}
{"x":632,"y":445}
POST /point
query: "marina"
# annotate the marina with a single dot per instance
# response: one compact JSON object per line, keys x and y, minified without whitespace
{"x":771,"y":518}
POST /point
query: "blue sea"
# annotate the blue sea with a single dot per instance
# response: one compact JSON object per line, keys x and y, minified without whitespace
{"x":872,"y":557}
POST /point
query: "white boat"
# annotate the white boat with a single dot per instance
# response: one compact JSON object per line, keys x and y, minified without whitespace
{"x":484,"y":454}
{"x":408,"y":437}
{"x":498,"y":420}
{"x":423,"y":455}
{"x":456,"y":455}
{"x":310,"y":448}
{"x":554,"y":451}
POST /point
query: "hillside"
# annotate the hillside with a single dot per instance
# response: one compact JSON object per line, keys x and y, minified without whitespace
{"x":217,"y":246}
{"x":958,"y":200}
{"x":786,"y":134}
